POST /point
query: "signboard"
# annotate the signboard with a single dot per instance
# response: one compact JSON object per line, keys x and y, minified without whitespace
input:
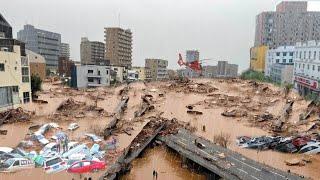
{"x":312,"y":84}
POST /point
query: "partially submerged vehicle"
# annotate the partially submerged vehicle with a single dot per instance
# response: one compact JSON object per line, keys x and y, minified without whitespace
{"x":15,"y":164}
{"x":54,"y":165}
{"x":73,"y":126}
{"x":86,"y":166}
{"x":4,"y":150}
{"x":41,"y":139}
{"x":93,"y":137}
{"x":311,"y":148}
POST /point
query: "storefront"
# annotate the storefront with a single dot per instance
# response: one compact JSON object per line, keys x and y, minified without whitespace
{"x":306,"y":86}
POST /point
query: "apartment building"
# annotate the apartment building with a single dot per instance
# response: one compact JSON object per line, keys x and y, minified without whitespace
{"x":141,"y":72}
{"x":64,"y":66}
{"x":90,"y":76}
{"x":156,"y":69}
{"x":280,"y":55}
{"x":307,"y":67}
{"x":65,"y":50}
{"x":92,"y":52}
{"x":43,"y":42}
{"x":290,"y":23}
{"x":5,"y":28}
{"x":15,"y":87}
{"x":118,"y":46}
{"x":37,"y":64}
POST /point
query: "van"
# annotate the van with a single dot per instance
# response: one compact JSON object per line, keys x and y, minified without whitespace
{"x":15,"y":164}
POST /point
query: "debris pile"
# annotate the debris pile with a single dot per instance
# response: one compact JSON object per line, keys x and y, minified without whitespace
{"x":145,"y":106}
{"x":188,"y":86}
{"x":15,"y":115}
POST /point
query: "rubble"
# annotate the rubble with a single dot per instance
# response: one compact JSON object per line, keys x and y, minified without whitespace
{"x":234,"y":113}
{"x":15,"y":115}
{"x":194,"y":112}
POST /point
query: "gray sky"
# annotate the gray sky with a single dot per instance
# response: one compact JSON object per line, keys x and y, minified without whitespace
{"x":219,"y":29}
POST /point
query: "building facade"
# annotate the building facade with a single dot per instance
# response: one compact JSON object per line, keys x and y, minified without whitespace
{"x":192,"y":55}
{"x":281,"y":73}
{"x":290,"y":23}
{"x":43,"y":42}
{"x":307,"y":67}
{"x":257,"y":58}
{"x":92,"y":52}
{"x":280,"y":55}
{"x":141,"y":72}
{"x":156,"y":69}
{"x":90,"y":76}
{"x":37,"y":64}
{"x":224,"y":69}
{"x":5,"y":28}
{"x":15,"y":88}
{"x":65,"y":50}
{"x":209,"y":71}
{"x":118,"y":73}
{"x":118,"y":46}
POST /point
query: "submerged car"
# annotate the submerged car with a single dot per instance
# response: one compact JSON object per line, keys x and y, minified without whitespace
{"x":86,"y":166}
{"x":49,"y":147}
{"x":4,"y":150}
{"x":286,"y":147}
{"x":54,"y":164}
{"x":311,"y":148}
{"x":263,"y":142}
{"x":93,"y":137}
{"x":15,"y":164}
{"x":41,"y":139}
{"x":73,"y":126}
{"x":6,"y":156}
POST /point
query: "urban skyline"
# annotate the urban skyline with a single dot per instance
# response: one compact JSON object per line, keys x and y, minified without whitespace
{"x":152,"y":42}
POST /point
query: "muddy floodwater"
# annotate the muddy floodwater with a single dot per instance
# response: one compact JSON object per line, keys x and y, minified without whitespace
{"x":171,"y":105}
{"x":165,"y":162}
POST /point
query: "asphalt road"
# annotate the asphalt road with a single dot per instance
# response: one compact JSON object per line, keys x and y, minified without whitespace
{"x":222,"y":161}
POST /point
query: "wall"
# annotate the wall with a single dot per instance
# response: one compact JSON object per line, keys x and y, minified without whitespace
{"x":257,"y":58}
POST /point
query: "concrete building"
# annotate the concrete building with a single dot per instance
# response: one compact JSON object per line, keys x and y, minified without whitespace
{"x":37,"y":64}
{"x":65,"y":50}
{"x":281,"y":73}
{"x":5,"y":28}
{"x":280,"y":55}
{"x":43,"y":42}
{"x":64,"y":66}
{"x":209,"y":71}
{"x":141,"y":72}
{"x":307,"y":67}
{"x":290,"y":23}
{"x":156,"y":69}
{"x":118,"y":46}
{"x":118,"y":74}
{"x":90,"y":76}
{"x":92,"y":52}
{"x":15,"y":80}
{"x":257,"y":58}
{"x":224,"y":69}
{"x":192,"y":55}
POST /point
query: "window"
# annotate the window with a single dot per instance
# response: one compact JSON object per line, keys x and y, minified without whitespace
{"x":15,"y":89}
{"x":291,"y":54}
{"x":278,"y":54}
{"x":25,"y":74}
{"x":308,"y":67}
{"x":318,"y":68}
{"x":2,"y":67}
{"x":90,"y":79}
{"x":283,"y":61}
{"x":16,"y":163}
{"x":284,"y":53}
{"x":313,"y":67}
{"x":26,"y":97}
{"x":90,"y":71}
{"x":314,"y":54}
{"x":309,"y":54}
{"x":277,"y":60}
{"x":290,"y":60}
{"x":299,"y":65}
{"x":300,"y":54}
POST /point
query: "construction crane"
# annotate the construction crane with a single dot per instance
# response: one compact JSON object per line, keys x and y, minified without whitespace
{"x":194,"y":65}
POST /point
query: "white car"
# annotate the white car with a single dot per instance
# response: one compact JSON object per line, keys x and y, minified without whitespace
{"x":15,"y":164}
{"x":4,"y":150}
{"x":311,"y":148}
{"x":94,"y":138}
{"x":54,"y":164}
{"x":41,"y":139}
{"x":73,"y":126}
{"x":72,"y":144}
{"x":49,"y":147}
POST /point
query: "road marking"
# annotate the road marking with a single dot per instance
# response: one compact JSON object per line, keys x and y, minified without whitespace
{"x":254,"y":177}
{"x":245,"y":164}
{"x":242,"y":170}
{"x":278,"y":174}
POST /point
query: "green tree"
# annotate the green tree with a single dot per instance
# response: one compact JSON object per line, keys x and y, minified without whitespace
{"x":36,"y":83}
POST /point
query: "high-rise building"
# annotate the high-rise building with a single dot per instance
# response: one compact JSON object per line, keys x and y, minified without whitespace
{"x":224,"y":69}
{"x":156,"y":69}
{"x":43,"y":42}
{"x":5,"y":28}
{"x":290,"y":23}
{"x":192,"y":55}
{"x":92,"y":52}
{"x":65,"y":50}
{"x":118,"y":46}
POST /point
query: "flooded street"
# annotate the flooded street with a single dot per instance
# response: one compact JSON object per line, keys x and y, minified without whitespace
{"x":172,"y":105}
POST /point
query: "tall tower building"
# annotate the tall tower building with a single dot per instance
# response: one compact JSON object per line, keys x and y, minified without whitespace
{"x":5,"y":28}
{"x":118,"y":46}
{"x":43,"y":42}
{"x":92,"y":52}
{"x":65,"y":50}
{"x":290,"y":23}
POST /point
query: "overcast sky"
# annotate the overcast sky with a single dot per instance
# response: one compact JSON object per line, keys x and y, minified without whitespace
{"x":219,"y":29}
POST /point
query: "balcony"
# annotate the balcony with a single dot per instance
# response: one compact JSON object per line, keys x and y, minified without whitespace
{"x":91,"y":75}
{"x":95,"y":85}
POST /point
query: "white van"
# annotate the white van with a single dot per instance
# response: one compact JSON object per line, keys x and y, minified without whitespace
{"x":15,"y":164}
